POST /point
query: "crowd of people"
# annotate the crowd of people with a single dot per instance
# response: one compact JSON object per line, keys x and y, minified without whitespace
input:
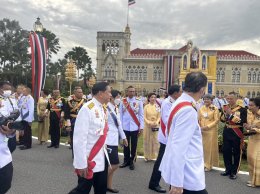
{"x":179,"y":130}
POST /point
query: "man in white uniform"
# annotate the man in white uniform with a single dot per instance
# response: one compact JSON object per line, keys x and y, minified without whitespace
{"x":174,"y":92}
{"x":182,"y":165}
{"x":6,"y":167}
{"x":89,"y":142}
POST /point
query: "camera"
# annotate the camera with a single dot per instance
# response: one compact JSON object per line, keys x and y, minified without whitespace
{"x":10,"y":120}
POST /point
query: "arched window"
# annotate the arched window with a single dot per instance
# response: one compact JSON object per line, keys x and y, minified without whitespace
{"x":131,"y":74}
{"x":185,"y":62}
{"x":113,"y":73}
{"x":222,"y":76}
{"x":140,"y":74}
{"x":258,"y":77}
{"x":237,"y":76}
{"x":248,"y":94}
{"x":258,"y":94}
{"x":253,"y":94}
{"x":155,"y":74}
{"x":204,"y":62}
{"x":218,"y":76}
{"x":106,"y":73}
{"x":144,"y":74}
{"x":233,"y":76}
{"x":222,"y":93}
{"x":254,"y":77}
{"x":159,"y":75}
{"x":249,"y":77}
{"x":217,"y":93}
{"x":127,"y":74}
{"x":136,"y":74}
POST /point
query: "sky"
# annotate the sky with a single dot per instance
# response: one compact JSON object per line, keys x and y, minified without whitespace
{"x":158,"y":24}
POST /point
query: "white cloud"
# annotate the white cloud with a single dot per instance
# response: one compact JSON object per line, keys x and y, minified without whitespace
{"x":211,"y":24}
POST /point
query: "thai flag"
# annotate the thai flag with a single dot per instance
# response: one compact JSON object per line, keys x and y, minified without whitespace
{"x":39,"y":58}
{"x":169,"y":71}
{"x":131,"y":2}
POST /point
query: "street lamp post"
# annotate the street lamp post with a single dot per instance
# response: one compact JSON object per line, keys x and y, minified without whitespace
{"x":38,"y":27}
{"x":58,"y":80}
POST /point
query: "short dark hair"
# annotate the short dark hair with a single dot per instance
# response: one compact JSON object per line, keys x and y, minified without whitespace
{"x":194,"y":81}
{"x":77,"y":87}
{"x":233,"y":93}
{"x":2,"y":83}
{"x":46,"y":92}
{"x":130,"y":87}
{"x":174,"y":88}
{"x":99,"y":87}
{"x":115,"y":93}
{"x":149,"y":96}
{"x":157,"y":96}
{"x":256,"y":101}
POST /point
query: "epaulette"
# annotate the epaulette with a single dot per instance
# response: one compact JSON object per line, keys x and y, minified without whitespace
{"x":91,"y":105}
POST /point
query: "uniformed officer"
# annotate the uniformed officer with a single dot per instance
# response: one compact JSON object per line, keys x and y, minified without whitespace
{"x":182,"y":165}
{"x":174,"y":92}
{"x":132,"y":118}
{"x":6,"y":167}
{"x":115,"y":131}
{"x":27,"y":116}
{"x":56,"y":106}
{"x":11,"y":105}
{"x":234,"y":116}
{"x":73,"y":106}
{"x":89,"y":142}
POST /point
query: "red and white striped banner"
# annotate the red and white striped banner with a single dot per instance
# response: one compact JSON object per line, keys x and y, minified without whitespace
{"x":38,"y":45}
{"x":169,"y":70}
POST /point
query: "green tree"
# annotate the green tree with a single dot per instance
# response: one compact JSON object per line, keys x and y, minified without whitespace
{"x":81,"y":58}
{"x":53,"y":43}
{"x":13,"y":51}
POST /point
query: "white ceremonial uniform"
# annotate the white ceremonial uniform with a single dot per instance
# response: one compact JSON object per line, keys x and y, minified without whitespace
{"x":246,"y":102}
{"x":89,"y":126}
{"x":183,"y":164}
{"x":165,"y":111}
{"x":5,"y":109}
{"x":217,"y":102}
{"x":27,"y":108}
{"x":114,"y":131}
{"x":126,"y":119}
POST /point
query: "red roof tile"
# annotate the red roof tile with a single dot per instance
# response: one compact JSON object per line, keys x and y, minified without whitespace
{"x":161,"y":52}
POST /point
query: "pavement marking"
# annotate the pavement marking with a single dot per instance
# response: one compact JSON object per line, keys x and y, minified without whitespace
{"x":141,"y":157}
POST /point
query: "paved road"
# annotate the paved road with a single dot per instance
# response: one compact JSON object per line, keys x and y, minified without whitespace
{"x":48,"y":171}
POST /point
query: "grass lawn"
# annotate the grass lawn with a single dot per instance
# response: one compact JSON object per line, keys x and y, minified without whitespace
{"x":243,"y":165}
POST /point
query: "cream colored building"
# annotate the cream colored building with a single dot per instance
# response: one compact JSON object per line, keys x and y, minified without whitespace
{"x":150,"y":70}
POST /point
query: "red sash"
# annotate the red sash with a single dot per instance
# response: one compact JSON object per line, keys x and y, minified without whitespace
{"x":94,"y":151}
{"x":131,"y":112}
{"x":157,"y":102}
{"x":174,"y":111}
{"x":163,"y":127}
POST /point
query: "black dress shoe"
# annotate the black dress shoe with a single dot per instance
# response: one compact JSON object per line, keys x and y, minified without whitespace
{"x":224,"y":173}
{"x":125,"y":164}
{"x":132,"y":166}
{"x":112,"y":190}
{"x":158,"y":189}
{"x":233,"y":176}
{"x":57,"y":146}
{"x":50,"y":146}
{"x":24,"y":148}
